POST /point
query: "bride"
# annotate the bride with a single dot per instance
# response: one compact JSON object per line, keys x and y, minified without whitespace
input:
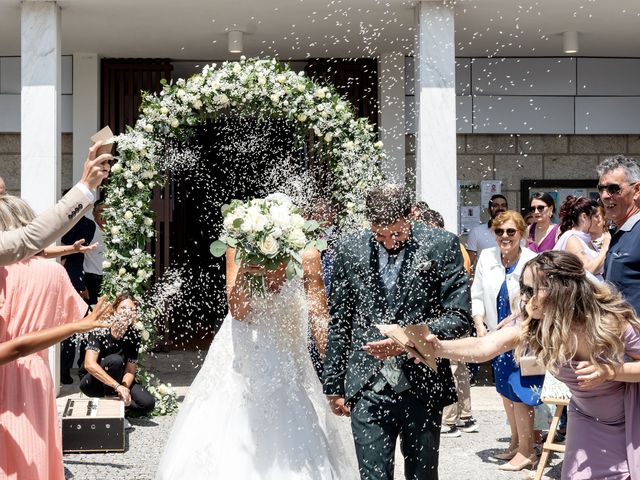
{"x":256,"y":408}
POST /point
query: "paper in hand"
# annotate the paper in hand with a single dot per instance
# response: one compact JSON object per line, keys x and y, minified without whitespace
{"x":106,"y":136}
{"x":417,"y":335}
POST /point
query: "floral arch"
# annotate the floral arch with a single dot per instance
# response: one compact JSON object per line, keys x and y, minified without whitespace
{"x":251,"y":87}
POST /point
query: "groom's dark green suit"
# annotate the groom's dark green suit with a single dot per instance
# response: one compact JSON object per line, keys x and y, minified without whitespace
{"x":431,"y":288}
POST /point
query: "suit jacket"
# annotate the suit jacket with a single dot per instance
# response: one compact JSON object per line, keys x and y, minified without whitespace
{"x":45,"y":229}
{"x":432,"y":288}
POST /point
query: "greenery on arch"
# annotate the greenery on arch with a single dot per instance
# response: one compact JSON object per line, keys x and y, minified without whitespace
{"x":251,"y":87}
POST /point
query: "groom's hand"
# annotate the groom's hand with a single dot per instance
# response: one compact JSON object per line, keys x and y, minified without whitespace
{"x":383,"y":349}
{"x":338,"y":406}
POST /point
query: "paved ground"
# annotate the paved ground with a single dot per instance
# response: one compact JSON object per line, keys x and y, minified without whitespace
{"x":464,"y":458}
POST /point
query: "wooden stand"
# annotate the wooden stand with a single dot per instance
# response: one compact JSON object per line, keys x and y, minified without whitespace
{"x":549,"y":446}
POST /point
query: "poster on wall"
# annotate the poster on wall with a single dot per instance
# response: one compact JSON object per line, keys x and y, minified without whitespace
{"x":469,"y":217}
{"x":488,"y":188}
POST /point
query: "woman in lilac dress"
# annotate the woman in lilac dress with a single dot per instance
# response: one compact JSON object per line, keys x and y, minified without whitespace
{"x":589,"y":337}
{"x":542,"y":233}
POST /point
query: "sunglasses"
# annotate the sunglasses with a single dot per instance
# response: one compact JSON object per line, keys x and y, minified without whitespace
{"x":612,"y":188}
{"x":501,"y":231}
{"x":526,"y":290}
{"x":538,"y":208}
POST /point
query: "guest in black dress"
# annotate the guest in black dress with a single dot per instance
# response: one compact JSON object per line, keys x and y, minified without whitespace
{"x":111,"y":360}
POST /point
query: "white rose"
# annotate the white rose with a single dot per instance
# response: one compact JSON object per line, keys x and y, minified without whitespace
{"x":175,"y":123}
{"x":128,"y":215}
{"x":237,"y":68}
{"x":122,"y":271}
{"x":162,"y":389}
{"x":106,"y":264}
{"x":269,"y":245}
{"x":139,"y":204}
{"x":164,"y":110}
{"x":148,"y":221}
{"x":148,"y":128}
{"x":328,"y":137}
{"x":301,"y":87}
{"x":339,"y":107}
{"x":297,"y":239}
{"x":256,"y":220}
{"x":302,"y":117}
{"x":262,"y":81}
{"x":276,"y":232}
{"x":349,"y":145}
{"x":275,"y":98}
{"x":145,"y":335}
{"x":197,"y":104}
{"x":378,"y":145}
{"x":142,"y":273}
{"x":117,"y":167}
{"x":282,"y":79}
{"x":115,"y":230}
{"x":180,"y":93}
{"x":297,"y":221}
{"x":140,"y":185}
{"x":280,"y":215}
{"x":137,"y":251}
{"x":319,"y":93}
{"x":139,"y":325}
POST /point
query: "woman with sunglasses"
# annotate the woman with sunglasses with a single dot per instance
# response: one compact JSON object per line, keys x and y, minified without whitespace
{"x":589,"y":337}
{"x":542,"y":233}
{"x":494,"y":290}
{"x":578,"y":221}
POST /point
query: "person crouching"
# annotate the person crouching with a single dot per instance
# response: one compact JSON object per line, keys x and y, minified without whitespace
{"x":111,"y":360}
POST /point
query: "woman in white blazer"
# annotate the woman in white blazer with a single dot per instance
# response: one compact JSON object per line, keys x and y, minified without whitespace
{"x":495,"y":294}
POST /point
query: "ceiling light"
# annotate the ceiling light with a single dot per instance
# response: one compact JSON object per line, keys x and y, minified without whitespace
{"x":570,"y":42}
{"x":235,"y":41}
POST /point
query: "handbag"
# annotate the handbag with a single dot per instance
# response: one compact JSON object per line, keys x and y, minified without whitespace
{"x":530,"y":366}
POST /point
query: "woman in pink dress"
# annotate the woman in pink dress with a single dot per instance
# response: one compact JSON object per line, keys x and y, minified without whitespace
{"x":542,"y":233}
{"x":35,"y":294}
{"x":589,"y":337}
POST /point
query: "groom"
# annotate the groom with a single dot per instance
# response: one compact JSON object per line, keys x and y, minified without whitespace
{"x":405,"y":273}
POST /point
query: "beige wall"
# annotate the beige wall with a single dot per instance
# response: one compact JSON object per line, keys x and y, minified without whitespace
{"x":10,"y":161}
{"x":512,"y":158}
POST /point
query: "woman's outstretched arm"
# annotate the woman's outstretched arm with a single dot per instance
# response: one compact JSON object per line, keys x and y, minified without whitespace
{"x":316,"y":297}
{"x":474,"y":349}
{"x":36,"y":341}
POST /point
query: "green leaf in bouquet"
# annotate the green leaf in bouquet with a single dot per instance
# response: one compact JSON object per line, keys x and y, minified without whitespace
{"x":226,"y":208}
{"x":291,"y":270}
{"x":232,"y":242}
{"x":310,"y":226}
{"x":296,"y":256}
{"x":218,"y":248}
{"x":237,"y":222}
{"x":321,"y":244}
{"x":298,"y":269}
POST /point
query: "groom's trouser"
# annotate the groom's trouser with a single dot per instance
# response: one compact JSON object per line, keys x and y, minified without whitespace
{"x":378,"y":419}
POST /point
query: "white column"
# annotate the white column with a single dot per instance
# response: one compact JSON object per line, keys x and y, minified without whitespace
{"x":391,"y":114}
{"x":41,"y":114}
{"x":86,"y":100}
{"x":436,"y":106}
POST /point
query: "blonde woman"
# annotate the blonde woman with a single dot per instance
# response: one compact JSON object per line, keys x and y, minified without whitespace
{"x":589,"y":337}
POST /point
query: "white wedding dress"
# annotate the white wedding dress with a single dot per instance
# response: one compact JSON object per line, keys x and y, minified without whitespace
{"x":256,"y":410}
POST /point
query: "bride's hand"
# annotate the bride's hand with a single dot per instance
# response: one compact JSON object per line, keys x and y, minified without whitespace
{"x":338,"y":406}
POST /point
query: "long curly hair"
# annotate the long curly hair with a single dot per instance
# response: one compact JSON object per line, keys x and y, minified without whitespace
{"x":577,"y":311}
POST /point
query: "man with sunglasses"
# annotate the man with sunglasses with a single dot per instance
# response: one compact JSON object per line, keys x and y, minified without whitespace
{"x":482,"y":237}
{"x":619,"y":187}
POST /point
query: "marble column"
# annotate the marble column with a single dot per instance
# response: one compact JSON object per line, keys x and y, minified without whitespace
{"x":391,"y":113}
{"x":436,"y":175}
{"x":86,"y":101}
{"x":41,"y":114}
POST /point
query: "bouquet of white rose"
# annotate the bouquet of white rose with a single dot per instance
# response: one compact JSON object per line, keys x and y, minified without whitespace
{"x":267,"y":233}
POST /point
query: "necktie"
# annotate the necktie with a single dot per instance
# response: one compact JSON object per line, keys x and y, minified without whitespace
{"x":389,"y":277}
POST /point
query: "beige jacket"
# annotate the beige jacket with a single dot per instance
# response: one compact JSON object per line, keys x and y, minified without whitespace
{"x":45,"y":229}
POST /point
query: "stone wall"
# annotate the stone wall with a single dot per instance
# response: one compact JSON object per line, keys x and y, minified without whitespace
{"x":512,"y":158}
{"x":10,"y":161}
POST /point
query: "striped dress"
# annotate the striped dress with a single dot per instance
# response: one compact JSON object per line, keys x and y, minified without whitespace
{"x":34,"y":294}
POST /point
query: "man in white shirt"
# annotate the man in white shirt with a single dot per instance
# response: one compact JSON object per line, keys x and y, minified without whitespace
{"x":94,"y":258}
{"x":482,"y":237}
